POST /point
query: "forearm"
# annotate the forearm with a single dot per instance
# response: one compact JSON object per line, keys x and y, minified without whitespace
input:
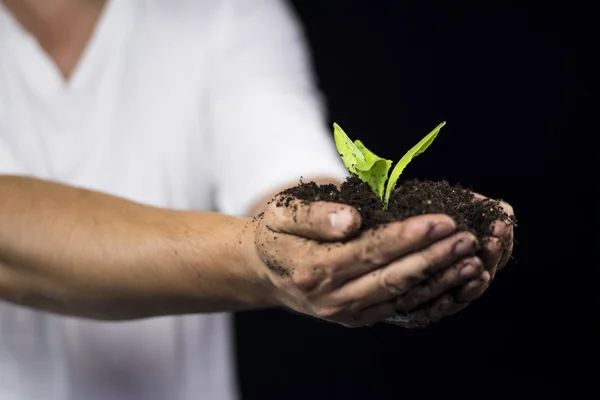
{"x":83,"y":253}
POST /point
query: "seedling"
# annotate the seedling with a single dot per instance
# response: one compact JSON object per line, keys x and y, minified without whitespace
{"x":372,"y":169}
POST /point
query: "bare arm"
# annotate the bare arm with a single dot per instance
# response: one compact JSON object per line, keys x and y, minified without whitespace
{"x":82,"y":253}
{"x":78,"y":252}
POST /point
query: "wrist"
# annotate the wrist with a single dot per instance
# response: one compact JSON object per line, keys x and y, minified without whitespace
{"x":225,"y":272}
{"x":264,"y":289}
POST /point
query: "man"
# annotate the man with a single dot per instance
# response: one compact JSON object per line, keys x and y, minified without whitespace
{"x":117,"y":118}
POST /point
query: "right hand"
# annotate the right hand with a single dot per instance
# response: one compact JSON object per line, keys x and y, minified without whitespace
{"x":318,"y":266}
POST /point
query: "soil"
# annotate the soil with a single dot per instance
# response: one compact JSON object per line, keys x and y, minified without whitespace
{"x":409,"y":199}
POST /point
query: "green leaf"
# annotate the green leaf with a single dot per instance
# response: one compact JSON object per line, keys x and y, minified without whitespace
{"x":408,"y":157}
{"x":362,"y":162}
{"x":375,"y":168}
{"x":351,"y":155}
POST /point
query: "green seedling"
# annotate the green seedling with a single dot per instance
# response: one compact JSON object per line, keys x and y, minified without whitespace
{"x":373,"y":169}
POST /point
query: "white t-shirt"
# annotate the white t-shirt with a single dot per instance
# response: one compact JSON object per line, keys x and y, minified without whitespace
{"x":204,"y":105}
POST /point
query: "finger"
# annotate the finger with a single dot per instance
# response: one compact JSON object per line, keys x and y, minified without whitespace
{"x":491,"y":254}
{"x":473,"y":289}
{"x":442,"y":307}
{"x":327,"y":266}
{"x":506,"y":255}
{"x":451,"y":305}
{"x":317,"y":220}
{"x":434,"y":311}
{"x":443,"y":281}
{"x":306,"y":264}
{"x":453,"y":309}
{"x":504,"y":231}
{"x":400,"y":276}
{"x":380,"y":246}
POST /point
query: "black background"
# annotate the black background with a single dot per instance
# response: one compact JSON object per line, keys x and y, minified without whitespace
{"x":510,"y":80}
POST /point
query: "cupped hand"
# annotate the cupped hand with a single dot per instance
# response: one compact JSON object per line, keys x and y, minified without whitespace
{"x":447,"y":292}
{"x":317,"y":264}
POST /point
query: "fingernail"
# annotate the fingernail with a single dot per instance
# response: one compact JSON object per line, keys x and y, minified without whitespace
{"x":440,"y":230}
{"x":468,"y":271}
{"x":463,"y":247}
{"x":341,"y":220}
{"x":485,"y":277}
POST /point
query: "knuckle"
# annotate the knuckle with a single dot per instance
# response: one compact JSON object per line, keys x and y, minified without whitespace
{"x":440,"y":279}
{"x":427,"y":261}
{"x":305,"y":280}
{"x":410,"y":232}
{"x":425,"y":291}
{"x":494,"y":246}
{"x":418,"y":295}
{"x":389,"y":283}
{"x":371,"y":254}
{"x":412,"y":227}
{"x":318,"y":264}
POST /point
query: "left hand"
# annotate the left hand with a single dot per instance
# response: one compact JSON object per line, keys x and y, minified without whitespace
{"x":453,"y":289}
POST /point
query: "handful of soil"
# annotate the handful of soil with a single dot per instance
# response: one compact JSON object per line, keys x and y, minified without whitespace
{"x":411,"y":198}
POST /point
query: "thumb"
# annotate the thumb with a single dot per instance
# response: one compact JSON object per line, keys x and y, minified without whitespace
{"x":318,"y":220}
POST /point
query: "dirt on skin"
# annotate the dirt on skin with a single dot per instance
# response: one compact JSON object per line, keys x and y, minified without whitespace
{"x":409,"y":199}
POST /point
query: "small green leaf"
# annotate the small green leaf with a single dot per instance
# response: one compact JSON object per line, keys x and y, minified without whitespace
{"x":412,"y":153}
{"x":351,"y":155}
{"x":362,"y":162}
{"x":375,"y":168}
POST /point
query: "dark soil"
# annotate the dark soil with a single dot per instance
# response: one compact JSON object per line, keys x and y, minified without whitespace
{"x":409,"y":199}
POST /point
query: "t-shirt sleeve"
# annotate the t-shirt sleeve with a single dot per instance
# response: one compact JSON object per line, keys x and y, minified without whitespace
{"x":267,"y":122}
